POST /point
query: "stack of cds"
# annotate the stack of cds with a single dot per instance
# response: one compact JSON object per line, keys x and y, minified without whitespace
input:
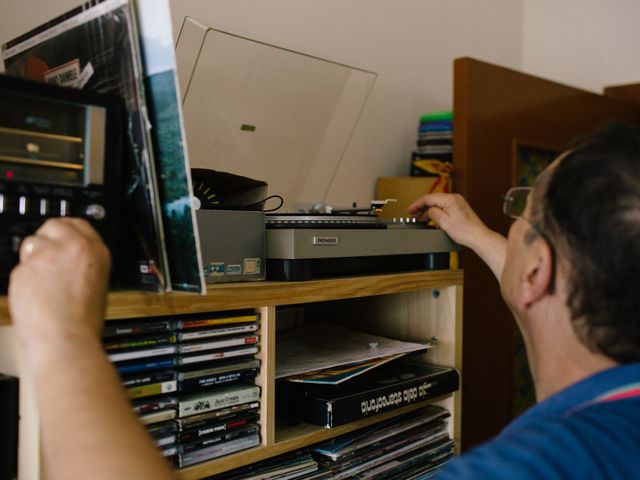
{"x":434,"y":148}
{"x":191,"y":381}
{"x":413,"y":446}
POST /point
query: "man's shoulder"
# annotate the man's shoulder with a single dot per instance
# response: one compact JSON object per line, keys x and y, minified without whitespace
{"x":581,"y":444}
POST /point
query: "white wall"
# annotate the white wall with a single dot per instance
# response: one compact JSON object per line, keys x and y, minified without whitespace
{"x":585,"y":43}
{"x":410,"y":44}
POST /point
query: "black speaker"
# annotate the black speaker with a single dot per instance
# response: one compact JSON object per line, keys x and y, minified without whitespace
{"x":8,"y":427}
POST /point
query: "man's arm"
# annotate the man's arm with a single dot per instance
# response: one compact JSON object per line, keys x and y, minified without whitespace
{"x":57,"y":298}
{"x":453,"y":214}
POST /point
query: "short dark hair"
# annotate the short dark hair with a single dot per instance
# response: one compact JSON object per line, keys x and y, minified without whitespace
{"x":591,"y":211}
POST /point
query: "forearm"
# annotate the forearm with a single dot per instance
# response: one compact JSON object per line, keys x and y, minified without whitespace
{"x":491,"y":247}
{"x":88,"y":427}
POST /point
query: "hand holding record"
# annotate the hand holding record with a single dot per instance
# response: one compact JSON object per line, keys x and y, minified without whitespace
{"x":57,"y":293}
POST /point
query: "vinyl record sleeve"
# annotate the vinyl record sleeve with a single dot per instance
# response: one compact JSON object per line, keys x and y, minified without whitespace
{"x":170,"y":146}
{"x":96,"y":47}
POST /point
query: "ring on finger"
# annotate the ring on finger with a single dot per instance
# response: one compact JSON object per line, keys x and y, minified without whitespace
{"x":27,"y":248}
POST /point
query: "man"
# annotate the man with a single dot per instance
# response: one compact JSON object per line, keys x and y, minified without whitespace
{"x":570,"y":273}
{"x":57,"y":297}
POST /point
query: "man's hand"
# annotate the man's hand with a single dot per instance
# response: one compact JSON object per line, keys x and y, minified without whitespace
{"x":57,"y":298}
{"x":57,"y":293}
{"x":452,"y":213}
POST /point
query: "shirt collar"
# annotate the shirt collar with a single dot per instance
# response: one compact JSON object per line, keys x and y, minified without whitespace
{"x":582,"y":392}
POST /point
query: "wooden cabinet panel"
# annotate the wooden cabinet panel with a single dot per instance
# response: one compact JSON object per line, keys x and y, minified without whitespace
{"x":494,"y":109}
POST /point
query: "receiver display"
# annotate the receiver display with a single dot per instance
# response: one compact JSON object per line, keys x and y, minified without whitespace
{"x":51,"y":142}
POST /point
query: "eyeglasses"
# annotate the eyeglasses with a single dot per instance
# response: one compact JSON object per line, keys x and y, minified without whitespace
{"x":515,"y":201}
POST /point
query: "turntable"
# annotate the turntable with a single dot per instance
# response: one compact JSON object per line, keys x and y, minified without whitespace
{"x":304,"y":246}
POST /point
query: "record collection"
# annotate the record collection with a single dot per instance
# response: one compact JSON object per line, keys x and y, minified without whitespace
{"x":413,"y":446}
{"x":191,"y":381}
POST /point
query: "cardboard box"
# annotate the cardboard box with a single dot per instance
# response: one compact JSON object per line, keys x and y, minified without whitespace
{"x":405,"y":190}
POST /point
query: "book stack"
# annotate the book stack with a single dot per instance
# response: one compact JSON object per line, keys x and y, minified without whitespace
{"x":413,"y":446}
{"x":191,"y":381}
{"x":433,"y":156}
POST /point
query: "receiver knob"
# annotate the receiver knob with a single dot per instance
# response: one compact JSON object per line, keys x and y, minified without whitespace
{"x":95,"y":211}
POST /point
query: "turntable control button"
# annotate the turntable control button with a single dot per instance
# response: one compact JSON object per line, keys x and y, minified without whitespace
{"x":95,"y":211}
{"x":23,"y":205}
{"x":44,"y":207}
{"x":64,"y":208}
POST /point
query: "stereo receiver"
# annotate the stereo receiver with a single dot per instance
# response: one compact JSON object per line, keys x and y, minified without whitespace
{"x":61,"y":154}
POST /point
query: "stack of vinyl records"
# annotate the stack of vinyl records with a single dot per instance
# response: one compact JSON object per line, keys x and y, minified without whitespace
{"x":191,"y":381}
{"x":299,"y":464}
{"x":434,"y":147}
{"x":413,"y":446}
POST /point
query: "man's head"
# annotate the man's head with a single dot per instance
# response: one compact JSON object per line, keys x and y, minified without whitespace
{"x":586,"y":208}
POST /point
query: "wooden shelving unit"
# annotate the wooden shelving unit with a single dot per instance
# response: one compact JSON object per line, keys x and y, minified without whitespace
{"x":417,"y":306}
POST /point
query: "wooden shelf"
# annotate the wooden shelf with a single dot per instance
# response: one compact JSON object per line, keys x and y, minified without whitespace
{"x":132,"y":304}
{"x":288,"y":439}
{"x":413,"y":306}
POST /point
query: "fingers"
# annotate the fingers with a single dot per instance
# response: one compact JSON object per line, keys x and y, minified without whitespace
{"x":63,"y":232}
{"x":60,"y":228}
{"x":430,"y":200}
{"x":431,"y":204}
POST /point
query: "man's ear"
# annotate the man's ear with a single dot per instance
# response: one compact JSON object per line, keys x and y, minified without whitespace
{"x":538,"y":272}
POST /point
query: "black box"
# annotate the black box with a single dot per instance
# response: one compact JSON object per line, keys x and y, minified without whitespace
{"x":386,"y":388}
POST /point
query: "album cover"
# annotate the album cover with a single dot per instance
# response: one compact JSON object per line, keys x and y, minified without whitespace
{"x":210,"y":355}
{"x":217,"y":331}
{"x":218,"y":450}
{"x":96,"y":47}
{"x":349,"y":444}
{"x":140,"y":341}
{"x":242,"y":376}
{"x":125,"y":328}
{"x":218,"y":367}
{"x":222,"y":397}
{"x":217,"y":425}
{"x":170,"y":146}
{"x":210,"y":320}
{"x":215,"y":417}
{"x":154,"y":404}
{"x":218,"y":437}
{"x":152,"y":389}
{"x":139,"y":379}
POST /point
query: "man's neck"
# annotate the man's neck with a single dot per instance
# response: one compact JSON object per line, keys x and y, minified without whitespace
{"x":556,"y":357}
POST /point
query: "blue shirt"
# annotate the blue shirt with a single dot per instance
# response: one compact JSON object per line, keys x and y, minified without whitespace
{"x":573,"y":434}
